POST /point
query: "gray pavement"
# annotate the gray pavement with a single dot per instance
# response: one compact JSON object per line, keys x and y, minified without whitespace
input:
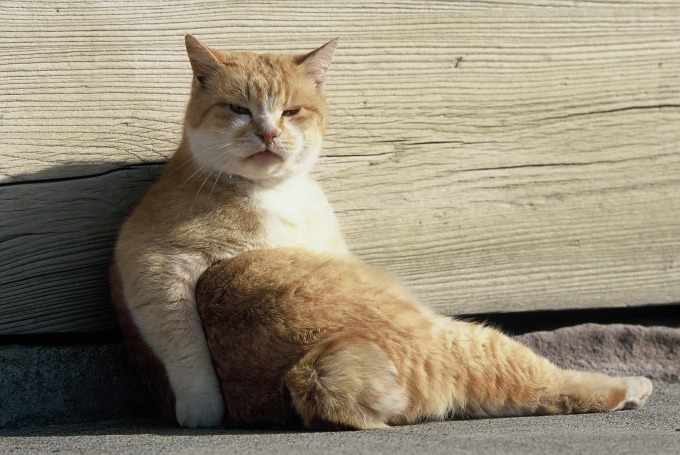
{"x":654,"y":429}
{"x":43,"y":390}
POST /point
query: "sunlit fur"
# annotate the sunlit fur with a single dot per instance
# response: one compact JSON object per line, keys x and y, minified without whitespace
{"x":364,"y":353}
{"x":346,"y":346}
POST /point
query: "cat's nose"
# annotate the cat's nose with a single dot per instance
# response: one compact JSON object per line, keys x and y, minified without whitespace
{"x":267,"y":136}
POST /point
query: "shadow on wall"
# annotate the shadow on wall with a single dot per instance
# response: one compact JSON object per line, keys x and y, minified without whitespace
{"x":56,"y":238}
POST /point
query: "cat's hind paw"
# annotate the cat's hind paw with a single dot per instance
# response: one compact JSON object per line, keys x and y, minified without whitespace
{"x":638,"y":389}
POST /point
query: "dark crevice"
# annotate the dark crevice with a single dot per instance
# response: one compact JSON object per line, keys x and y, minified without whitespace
{"x":533,"y":321}
{"x":520,"y":166}
{"x":62,"y":339}
{"x":511,"y":323}
{"x":363,"y":155}
{"x":611,"y":111}
{"x":82,"y":177}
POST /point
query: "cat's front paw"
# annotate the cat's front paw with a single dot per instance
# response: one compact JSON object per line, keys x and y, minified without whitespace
{"x":200,"y":408}
{"x":638,"y":389}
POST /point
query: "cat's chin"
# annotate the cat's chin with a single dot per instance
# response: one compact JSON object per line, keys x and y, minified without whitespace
{"x":266,"y":166}
{"x":262,"y":167}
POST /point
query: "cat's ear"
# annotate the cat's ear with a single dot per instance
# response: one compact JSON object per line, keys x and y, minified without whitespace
{"x":202,"y":58}
{"x":317,"y":62}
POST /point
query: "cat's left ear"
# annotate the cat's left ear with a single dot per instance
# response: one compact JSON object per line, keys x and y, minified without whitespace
{"x":317,"y":62}
{"x":203,"y":60}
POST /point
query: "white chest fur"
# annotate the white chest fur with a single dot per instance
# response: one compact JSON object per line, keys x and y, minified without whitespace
{"x":297,"y":213}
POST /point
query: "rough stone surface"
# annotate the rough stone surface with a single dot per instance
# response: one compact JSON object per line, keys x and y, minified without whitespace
{"x":617,"y":349}
{"x":67,"y":384}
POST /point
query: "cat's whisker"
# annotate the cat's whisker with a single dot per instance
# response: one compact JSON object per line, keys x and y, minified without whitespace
{"x":198,"y":171}
{"x":218,"y":164}
{"x":222,"y":167}
{"x":199,"y":191}
{"x":217,"y":178}
{"x":210,"y":163}
{"x":188,"y":163}
{"x":214,"y":184}
{"x":219,"y":145}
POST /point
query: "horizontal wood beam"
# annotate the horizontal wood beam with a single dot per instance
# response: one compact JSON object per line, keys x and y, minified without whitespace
{"x":497,"y":157}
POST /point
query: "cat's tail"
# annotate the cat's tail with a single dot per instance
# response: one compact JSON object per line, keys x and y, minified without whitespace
{"x":346,"y":382}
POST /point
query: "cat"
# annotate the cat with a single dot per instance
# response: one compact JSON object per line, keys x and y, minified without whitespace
{"x":238,"y":181}
{"x":238,"y":194}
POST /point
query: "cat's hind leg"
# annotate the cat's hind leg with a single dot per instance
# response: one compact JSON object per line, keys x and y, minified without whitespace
{"x":503,"y":378}
{"x":488,"y":374}
{"x":346,"y":382}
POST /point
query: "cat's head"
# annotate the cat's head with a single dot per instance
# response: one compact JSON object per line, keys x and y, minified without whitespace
{"x":259,"y":116}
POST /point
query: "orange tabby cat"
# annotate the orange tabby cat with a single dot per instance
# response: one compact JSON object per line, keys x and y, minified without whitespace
{"x":238,"y":181}
{"x":366,"y":353}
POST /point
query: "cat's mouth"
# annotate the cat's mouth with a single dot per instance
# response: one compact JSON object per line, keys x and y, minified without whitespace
{"x":265,"y":158}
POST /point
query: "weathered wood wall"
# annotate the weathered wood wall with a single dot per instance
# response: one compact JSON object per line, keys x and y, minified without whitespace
{"x":499,"y":156}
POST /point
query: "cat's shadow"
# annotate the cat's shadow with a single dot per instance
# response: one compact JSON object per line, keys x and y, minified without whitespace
{"x":153,"y":426}
{"x":57,"y":235}
{"x":56,"y":245}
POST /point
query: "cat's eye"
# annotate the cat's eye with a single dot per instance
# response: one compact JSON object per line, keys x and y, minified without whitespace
{"x":235,"y":108}
{"x":290,"y":112}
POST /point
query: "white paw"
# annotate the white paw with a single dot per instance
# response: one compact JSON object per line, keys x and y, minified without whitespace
{"x":200,"y":407}
{"x":638,"y":390}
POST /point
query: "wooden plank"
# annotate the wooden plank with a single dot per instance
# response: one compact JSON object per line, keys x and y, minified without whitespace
{"x":105,"y":83}
{"x":564,"y":249}
{"x":498,"y":157}
{"x":55,"y":245}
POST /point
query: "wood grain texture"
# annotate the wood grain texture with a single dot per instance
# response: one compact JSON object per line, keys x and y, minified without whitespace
{"x":499,"y":156}
{"x":57,"y":239}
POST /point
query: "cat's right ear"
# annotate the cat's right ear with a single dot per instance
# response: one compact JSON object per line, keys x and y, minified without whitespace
{"x":317,"y":62}
{"x":203,"y":61}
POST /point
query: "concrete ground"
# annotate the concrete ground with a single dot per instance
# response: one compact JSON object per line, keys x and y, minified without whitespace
{"x":654,"y":429}
{"x":43,"y":389}
{"x":619,"y":349}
